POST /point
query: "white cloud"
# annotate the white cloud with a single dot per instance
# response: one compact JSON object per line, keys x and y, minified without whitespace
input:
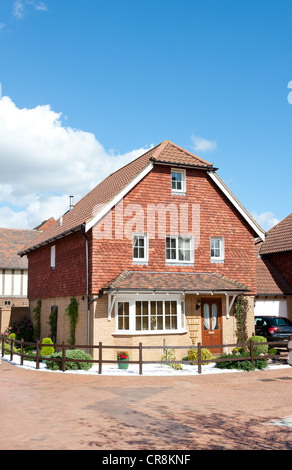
{"x":43,"y":162}
{"x":266,"y":220}
{"x":20,"y":7}
{"x":41,"y":6}
{"x":203,"y":145}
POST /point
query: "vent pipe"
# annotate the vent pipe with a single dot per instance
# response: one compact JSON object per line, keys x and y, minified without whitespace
{"x":71,"y":205}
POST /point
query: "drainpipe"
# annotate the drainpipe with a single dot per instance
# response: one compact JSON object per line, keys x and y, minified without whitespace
{"x":87,"y":283}
{"x":89,"y":301}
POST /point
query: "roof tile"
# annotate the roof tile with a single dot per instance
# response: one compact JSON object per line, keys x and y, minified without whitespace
{"x":173,"y":281}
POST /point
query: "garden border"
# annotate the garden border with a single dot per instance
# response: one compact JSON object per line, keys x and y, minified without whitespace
{"x":100,"y":361}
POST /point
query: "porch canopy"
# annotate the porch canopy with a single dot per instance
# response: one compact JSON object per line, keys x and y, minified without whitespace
{"x":189,"y":283}
{"x":173,"y":282}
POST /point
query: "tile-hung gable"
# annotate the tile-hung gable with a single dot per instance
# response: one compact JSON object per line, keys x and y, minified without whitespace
{"x":116,"y":185}
{"x":279,"y":238}
{"x":180,"y":286}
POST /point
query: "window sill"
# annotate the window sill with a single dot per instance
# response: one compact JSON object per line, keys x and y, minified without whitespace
{"x":217,"y":261}
{"x":178,"y":193}
{"x":146,"y":332}
{"x":179,"y":263}
{"x":141,"y":262}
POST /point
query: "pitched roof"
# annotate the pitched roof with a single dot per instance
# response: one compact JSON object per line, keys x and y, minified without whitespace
{"x":268,"y":279}
{"x":279,"y":238}
{"x":105,"y":195}
{"x":104,"y":192}
{"x":173,"y":281}
{"x":11,"y":241}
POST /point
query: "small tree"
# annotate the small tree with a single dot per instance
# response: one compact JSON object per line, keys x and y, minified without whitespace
{"x":241,"y":309}
{"x":37,"y":320}
{"x":72,"y":313}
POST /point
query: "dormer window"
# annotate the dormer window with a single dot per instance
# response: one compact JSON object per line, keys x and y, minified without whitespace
{"x":178,"y":181}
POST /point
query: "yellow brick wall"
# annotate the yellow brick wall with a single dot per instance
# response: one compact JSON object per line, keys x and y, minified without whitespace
{"x":63,"y":326}
{"x":103,"y":330}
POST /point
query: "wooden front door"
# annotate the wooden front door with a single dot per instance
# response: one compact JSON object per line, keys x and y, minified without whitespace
{"x":211,"y":311}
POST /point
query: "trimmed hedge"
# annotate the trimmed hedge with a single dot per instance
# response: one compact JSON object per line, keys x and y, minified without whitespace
{"x":240,"y":364}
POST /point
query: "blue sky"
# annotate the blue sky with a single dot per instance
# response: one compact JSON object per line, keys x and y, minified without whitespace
{"x":91,"y":84}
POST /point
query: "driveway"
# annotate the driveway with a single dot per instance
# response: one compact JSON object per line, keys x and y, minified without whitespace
{"x":55,"y":411}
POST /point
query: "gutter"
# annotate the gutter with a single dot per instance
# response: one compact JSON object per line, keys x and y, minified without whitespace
{"x":50,"y":240}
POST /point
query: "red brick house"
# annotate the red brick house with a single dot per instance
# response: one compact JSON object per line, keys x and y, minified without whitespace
{"x":159,"y":250}
{"x":274,"y":271}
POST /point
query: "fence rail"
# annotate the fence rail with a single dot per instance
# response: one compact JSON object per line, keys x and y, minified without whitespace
{"x":100,"y":361}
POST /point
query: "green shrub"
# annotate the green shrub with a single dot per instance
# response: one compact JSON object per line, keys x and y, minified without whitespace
{"x":169,"y":356}
{"x":260,"y":348}
{"x":71,"y":354}
{"x":206,"y":355}
{"x":47,"y":350}
{"x":240,"y":364}
{"x":23,"y":329}
{"x":273,"y":352}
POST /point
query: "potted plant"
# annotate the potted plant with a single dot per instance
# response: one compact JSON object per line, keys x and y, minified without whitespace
{"x":124,"y":357}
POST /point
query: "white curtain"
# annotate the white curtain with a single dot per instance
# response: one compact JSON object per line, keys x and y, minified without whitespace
{"x":214,"y":317}
{"x":206,"y":317}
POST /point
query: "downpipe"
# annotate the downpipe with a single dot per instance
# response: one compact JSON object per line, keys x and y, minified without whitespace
{"x":89,"y":301}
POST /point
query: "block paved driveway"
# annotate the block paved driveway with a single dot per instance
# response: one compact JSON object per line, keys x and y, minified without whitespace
{"x":239,"y":411}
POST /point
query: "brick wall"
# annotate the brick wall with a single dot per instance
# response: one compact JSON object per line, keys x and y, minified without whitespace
{"x":63,"y":325}
{"x":217,"y":218}
{"x":68,"y":277}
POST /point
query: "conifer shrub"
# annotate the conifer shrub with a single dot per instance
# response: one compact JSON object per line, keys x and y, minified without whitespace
{"x":258,"y":349}
{"x":47,"y":350}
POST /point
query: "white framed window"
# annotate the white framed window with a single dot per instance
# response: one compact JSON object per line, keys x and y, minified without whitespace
{"x":140,"y":247}
{"x":150,"y":315}
{"x":123,"y":318}
{"x":217,"y":249}
{"x":53,"y":256}
{"x":179,"y":249}
{"x":178,"y":181}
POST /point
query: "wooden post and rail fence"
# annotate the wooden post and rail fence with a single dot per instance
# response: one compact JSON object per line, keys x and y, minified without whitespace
{"x":101,"y":347}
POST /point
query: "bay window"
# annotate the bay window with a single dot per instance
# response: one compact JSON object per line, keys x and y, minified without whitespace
{"x":150,"y":316}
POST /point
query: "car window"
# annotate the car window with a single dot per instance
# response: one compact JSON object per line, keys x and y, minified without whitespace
{"x":281,"y":322}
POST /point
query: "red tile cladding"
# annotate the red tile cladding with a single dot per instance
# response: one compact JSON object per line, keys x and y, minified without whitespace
{"x":279,"y":238}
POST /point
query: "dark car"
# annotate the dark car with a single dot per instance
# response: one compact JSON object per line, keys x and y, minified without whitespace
{"x":273,"y":328}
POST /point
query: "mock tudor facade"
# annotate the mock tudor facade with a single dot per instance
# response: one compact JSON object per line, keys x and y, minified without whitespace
{"x":158,"y":251}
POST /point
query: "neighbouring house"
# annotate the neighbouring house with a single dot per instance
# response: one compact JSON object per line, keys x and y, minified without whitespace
{"x":274,"y":271}
{"x":14,"y":303}
{"x":157,"y":252}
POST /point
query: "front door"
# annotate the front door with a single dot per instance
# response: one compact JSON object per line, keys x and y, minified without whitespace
{"x":211,"y":324}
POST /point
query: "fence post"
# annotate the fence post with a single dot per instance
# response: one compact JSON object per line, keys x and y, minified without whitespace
{"x":11,"y":349}
{"x":3,"y":342}
{"x":252,"y":353}
{"x":38,"y":354}
{"x":21,"y":351}
{"x":290,"y":351}
{"x":199,"y":358}
{"x":140,"y":359}
{"x":63,"y":357}
{"x":99,"y":358}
